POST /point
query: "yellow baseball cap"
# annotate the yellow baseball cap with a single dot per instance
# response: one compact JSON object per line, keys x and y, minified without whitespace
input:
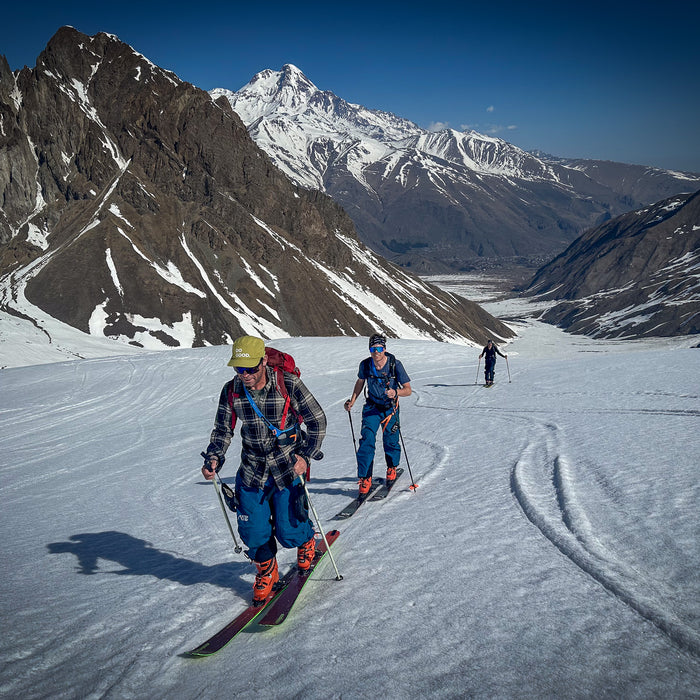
{"x":247,"y":351}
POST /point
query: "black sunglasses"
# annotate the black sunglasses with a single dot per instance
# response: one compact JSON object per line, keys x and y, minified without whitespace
{"x":248,"y":370}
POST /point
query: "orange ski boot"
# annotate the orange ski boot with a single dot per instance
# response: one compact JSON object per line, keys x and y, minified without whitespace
{"x":365,"y":484}
{"x":265,"y":579}
{"x":305,"y":555}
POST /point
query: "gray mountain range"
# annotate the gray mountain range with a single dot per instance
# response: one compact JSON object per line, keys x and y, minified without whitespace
{"x":437,"y":200}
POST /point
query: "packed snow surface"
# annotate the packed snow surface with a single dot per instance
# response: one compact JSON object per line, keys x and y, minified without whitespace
{"x":551,"y":549}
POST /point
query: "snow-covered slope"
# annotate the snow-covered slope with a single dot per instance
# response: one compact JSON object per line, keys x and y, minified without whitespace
{"x":550,"y":551}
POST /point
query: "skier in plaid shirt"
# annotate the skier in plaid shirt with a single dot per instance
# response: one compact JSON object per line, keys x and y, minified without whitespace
{"x":269,"y":494}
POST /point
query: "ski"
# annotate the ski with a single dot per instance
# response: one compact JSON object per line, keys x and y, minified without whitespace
{"x":278,"y":610}
{"x":351,"y":508}
{"x":285,"y":593}
{"x":386,"y":487}
{"x":219,"y":640}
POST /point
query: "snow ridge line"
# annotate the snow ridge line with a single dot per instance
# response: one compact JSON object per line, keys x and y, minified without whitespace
{"x":568,"y":528}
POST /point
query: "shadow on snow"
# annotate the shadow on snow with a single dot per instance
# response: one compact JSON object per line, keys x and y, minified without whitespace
{"x":141,"y":558}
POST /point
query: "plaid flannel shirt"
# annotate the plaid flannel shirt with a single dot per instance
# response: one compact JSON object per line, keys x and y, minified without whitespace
{"x":261,"y":456}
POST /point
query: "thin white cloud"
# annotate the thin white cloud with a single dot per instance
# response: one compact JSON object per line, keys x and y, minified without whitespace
{"x":494,"y":129}
{"x":491,"y":108}
{"x":490,"y":129}
{"x":438,"y":126}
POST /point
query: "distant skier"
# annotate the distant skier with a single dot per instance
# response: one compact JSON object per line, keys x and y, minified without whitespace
{"x":386,"y":380}
{"x":490,"y":363}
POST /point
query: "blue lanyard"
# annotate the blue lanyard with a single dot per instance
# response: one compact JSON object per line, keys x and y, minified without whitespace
{"x":277,"y":431}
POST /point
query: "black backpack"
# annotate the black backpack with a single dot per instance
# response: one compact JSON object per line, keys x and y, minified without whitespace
{"x":368,"y":366}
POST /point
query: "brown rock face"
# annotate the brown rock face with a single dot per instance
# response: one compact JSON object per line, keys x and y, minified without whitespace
{"x":633,"y":277}
{"x":135,"y":206}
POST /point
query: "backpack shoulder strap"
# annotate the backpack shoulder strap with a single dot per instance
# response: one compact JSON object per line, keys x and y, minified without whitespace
{"x":281,"y":377}
{"x":231,"y":395}
{"x":281,"y":384}
{"x":392,"y":365}
{"x":392,"y":369}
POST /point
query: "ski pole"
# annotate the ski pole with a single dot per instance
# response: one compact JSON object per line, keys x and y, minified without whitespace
{"x":238,"y":549}
{"x":478,"y":364}
{"x":413,"y":485}
{"x":352,"y":430}
{"x":338,"y":577}
{"x":508,"y":368}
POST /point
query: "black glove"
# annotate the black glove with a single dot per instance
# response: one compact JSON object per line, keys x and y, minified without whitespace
{"x":230,"y":497}
{"x":300,"y":503}
{"x":208,"y":462}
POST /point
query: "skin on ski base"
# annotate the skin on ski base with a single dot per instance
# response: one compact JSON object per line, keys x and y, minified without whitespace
{"x":219,"y":640}
{"x":381,"y":493}
{"x":252,"y":612}
{"x":277,"y":611}
{"x":351,"y":507}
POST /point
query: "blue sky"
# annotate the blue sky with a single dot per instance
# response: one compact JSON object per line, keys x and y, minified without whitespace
{"x":610,"y":80}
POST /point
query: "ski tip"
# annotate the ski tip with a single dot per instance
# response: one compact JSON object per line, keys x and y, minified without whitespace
{"x":194,"y":654}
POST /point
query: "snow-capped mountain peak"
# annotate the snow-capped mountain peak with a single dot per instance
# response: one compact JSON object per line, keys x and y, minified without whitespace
{"x":288,"y":89}
{"x":275,"y":104}
{"x":446,"y":195}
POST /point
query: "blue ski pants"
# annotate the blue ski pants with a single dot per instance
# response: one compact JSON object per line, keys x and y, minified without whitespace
{"x":372,"y":417}
{"x":270,"y":515}
{"x":489,"y":369}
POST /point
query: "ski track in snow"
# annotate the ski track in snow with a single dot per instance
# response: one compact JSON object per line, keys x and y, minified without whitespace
{"x":544,"y":486}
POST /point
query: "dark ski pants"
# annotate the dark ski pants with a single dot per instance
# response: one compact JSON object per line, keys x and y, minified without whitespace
{"x":490,"y":369}
{"x":372,"y":417}
{"x":269,"y":513}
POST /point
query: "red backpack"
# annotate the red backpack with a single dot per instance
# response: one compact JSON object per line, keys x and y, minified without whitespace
{"x":282,"y":363}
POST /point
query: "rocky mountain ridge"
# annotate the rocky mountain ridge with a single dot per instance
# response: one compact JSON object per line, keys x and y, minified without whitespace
{"x":436,"y":200}
{"x":633,"y":277}
{"x":135,"y":206}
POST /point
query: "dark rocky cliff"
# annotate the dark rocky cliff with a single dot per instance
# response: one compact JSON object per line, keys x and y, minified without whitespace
{"x":135,"y":206}
{"x":635,"y":276}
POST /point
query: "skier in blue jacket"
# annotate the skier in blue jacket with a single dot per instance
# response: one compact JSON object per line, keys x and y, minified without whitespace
{"x":386,"y":380}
